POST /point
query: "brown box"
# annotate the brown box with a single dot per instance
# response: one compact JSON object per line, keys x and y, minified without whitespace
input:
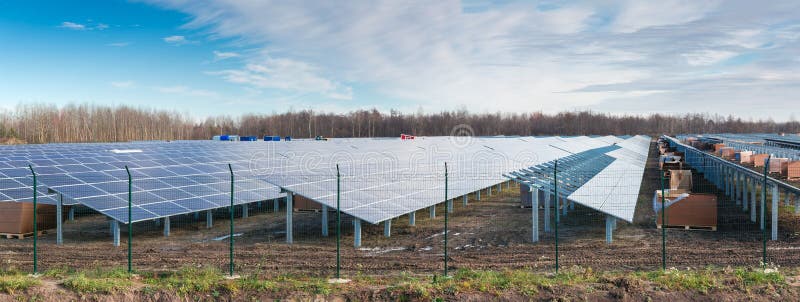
{"x":758,"y":159}
{"x":744,"y":157}
{"x":793,"y":170}
{"x":778,"y":165}
{"x":17,"y":217}
{"x":302,"y":203}
{"x":680,"y":180}
{"x":727,"y":152}
{"x":695,"y":210}
{"x":717,"y":147}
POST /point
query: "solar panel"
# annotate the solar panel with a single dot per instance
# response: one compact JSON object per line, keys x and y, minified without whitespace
{"x":607,"y":179}
{"x":382,"y":178}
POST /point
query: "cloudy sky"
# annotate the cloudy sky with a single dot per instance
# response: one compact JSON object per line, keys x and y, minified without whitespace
{"x":210,"y":57}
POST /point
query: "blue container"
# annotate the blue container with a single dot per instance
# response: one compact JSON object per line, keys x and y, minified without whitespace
{"x":276,"y":138}
{"x":249,"y":138}
{"x":224,"y":138}
{"x":268,"y":138}
{"x":288,"y":138}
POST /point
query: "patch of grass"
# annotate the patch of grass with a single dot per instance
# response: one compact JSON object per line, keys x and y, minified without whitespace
{"x":13,"y":283}
{"x":81,"y":283}
{"x":697,"y":280}
{"x":191,"y":280}
{"x":755,"y":277}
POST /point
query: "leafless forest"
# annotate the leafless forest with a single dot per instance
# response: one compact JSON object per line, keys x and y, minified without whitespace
{"x":42,"y":123}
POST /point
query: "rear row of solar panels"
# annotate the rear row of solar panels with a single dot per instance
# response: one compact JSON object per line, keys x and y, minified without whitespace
{"x":171,"y":178}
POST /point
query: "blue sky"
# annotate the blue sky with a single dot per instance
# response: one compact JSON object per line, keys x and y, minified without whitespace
{"x":209,"y":57}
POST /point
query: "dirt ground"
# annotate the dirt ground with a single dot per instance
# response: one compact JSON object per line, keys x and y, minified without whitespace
{"x":493,"y":233}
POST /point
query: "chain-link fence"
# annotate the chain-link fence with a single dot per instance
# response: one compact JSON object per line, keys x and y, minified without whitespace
{"x":697,"y":212}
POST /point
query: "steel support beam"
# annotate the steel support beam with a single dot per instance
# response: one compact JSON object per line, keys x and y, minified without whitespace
{"x":387,"y":228}
{"x":324,"y":221}
{"x":776,"y":199}
{"x":610,"y":220}
{"x":356,"y":232}
{"x":289,"y":213}
{"x":432,"y":209}
{"x":412,"y":218}
{"x":59,"y":221}
{"x":209,"y":219}
{"x":535,"y":214}
{"x":449,"y":204}
{"x":166,"y":227}
{"x":115,"y":231}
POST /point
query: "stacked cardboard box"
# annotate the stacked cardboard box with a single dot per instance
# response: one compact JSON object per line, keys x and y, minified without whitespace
{"x":17,"y":217}
{"x":744,"y":157}
{"x":793,"y":170}
{"x":778,"y":165}
{"x":759,"y":159}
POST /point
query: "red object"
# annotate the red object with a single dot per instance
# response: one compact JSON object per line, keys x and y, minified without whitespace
{"x":406,"y":136}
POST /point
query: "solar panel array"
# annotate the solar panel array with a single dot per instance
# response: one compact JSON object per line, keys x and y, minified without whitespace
{"x":607,"y":179}
{"x":381,"y":178}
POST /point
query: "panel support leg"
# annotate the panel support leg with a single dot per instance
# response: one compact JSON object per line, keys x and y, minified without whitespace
{"x":209,"y":219}
{"x":433,"y":211}
{"x":609,"y":228}
{"x":449,"y":204}
{"x":412,"y":218}
{"x":465,"y":199}
{"x":276,"y":206}
{"x":753,"y":200}
{"x":776,"y":199}
{"x":115,"y":231}
{"x":535,"y":215}
{"x":324,"y":221}
{"x":387,"y":228}
{"x":478,"y":195}
{"x":166,"y":227}
{"x":59,"y":221}
{"x":289,"y":213}
{"x":71,"y":213}
{"x":245,"y":210}
{"x":356,"y":232}
{"x":547,"y":212}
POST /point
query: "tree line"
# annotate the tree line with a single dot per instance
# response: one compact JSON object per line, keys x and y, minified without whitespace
{"x":45,"y":123}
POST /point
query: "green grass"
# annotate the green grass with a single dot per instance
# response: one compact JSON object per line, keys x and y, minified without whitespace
{"x":98,"y":281}
{"x":189,"y":281}
{"x":755,"y":277}
{"x":13,"y":283}
{"x":696,"y":280}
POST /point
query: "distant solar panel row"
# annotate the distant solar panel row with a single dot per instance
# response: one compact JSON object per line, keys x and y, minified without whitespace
{"x":382,"y":178}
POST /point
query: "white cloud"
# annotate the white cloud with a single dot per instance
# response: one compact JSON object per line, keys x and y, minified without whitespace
{"x":78,"y":26}
{"x":286,"y":74}
{"x":219,"y":55}
{"x":176,"y":40}
{"x":510,"y":56}
{"x":72,"y":25}
{"x":123,"y":84}
{"x":637,"y":15}
{"x":186,"y":91}
{"x":708,"y":57}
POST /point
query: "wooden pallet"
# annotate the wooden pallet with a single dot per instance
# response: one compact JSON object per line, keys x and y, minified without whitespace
{"x":19,"y":236}
{"x":690,"y":227}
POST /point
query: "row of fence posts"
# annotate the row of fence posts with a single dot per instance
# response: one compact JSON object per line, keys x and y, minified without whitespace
{"x":338,"y":220}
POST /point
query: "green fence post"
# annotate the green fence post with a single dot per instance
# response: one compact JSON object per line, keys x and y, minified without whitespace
{"x":555,"y":193}
{"x":663,"y":224}
{"x":764,"y":215}
{"x":445,"y":220}
{"x":35,"y":226}
{"x":232,"y":229}
{"x":338,"y":223}
{"x":130,"y":223}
